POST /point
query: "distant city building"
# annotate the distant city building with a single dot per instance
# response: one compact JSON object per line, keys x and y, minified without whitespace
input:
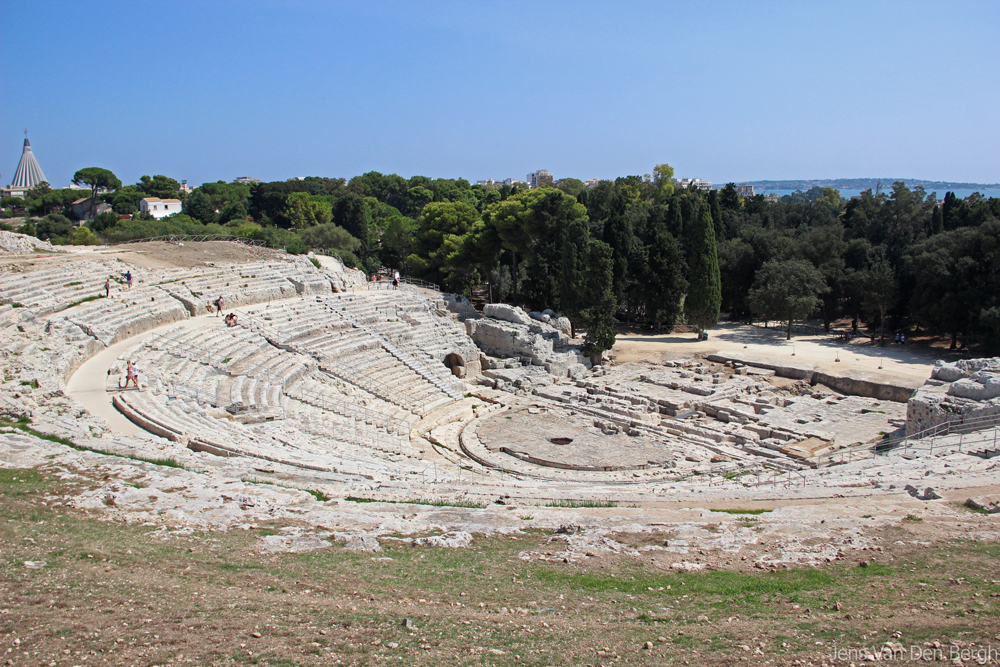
{"x":490,"y":182}
{"x":83,"y":211}
{"x":771,"y":198}
{"x":251,"y":179}
{"x":185,"y":188}
{"x":591,"y":182}
{"x":696,"y":182}
{"x":513,"y":181}
{"x":536,"y":179}
{"x":27,"y":175}
{"x":745,"y":190}
{"x":159,"y":208}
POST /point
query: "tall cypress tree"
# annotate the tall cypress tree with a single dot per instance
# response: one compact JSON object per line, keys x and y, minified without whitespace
{"x":619,"y":236}
{"x":937,"y":220}
{"x":704,"y":297}
{"x":949,"y":219}
{"x":675,"y":218}
{"x":666,"y":284}
{"x":573,"y":275}
{"x":600,"y":293}
{"x":713,"y":202}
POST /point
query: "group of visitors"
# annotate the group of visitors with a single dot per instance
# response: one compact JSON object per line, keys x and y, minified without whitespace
{"x":107,"y":283}
{"x":900,"y":339}
{"x":232,"y":319}
{"x":377,"y":278}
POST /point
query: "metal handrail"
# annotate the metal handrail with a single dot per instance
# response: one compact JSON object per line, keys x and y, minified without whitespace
{"x":949,"y":427}
{"x":193,"y":238}
{"x":412,"y":282}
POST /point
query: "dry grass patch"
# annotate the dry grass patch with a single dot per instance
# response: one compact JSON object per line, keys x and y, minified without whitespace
{"x":116,"y":594}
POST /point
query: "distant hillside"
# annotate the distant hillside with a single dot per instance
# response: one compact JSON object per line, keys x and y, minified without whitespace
{"x":865,"y":183}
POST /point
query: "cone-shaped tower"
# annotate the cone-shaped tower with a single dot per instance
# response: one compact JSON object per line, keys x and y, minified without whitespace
{"x":28,"y":173}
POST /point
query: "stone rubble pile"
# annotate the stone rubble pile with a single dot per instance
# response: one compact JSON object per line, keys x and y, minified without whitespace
{"x":21,"y":244}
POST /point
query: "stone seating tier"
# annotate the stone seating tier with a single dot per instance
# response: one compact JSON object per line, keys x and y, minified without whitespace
{"x":49,"y":290}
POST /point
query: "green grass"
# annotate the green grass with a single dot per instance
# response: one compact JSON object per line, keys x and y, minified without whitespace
{"x":22,"y":425}
{"x":912,"y":517}
{"x":227,"y":360}
{"x":743,"y":511}
{"x":315,"y":262}
{"x":582,"y":503}
{"x":85,"y":299}
{"x":20,"y":482}
{"x":969,"y":508}
{"x":30,"y":383}
{"x":318,"y":495}
{"x":73,"y":284}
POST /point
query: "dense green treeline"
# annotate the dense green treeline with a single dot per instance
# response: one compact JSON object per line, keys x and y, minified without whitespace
{"x":636,"y":249}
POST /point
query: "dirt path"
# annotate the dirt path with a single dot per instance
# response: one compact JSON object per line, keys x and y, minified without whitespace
{"x":908,"y":365}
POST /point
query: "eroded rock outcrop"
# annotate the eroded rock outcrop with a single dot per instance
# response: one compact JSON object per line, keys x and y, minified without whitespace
{"x":508,"y":332}
{"x":958,"y":392}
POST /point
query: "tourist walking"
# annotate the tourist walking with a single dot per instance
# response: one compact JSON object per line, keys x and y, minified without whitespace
{"x":107,"y":288}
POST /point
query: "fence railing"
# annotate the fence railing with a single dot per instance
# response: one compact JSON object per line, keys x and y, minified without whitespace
{"x":403,"y":282}
{"x":193,"y":238}
{"x":927,"y":440}
{"x":800,"y":329}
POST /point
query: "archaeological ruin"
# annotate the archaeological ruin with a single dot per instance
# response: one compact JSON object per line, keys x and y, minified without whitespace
{"x":330,"y":390}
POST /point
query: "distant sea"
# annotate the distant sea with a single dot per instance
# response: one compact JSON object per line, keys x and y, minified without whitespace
{"x":847,"y":194}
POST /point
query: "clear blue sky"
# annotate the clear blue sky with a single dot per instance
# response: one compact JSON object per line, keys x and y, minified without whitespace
{"x":725,"y":91}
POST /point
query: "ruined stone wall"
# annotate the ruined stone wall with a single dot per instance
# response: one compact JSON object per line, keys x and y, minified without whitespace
{"x":963,"y":392}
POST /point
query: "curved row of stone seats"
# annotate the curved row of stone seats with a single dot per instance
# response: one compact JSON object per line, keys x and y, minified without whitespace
{"x":366,"y":438}
{"x":193,"y":359}
{"x":298,"y":319}
{"x":348,"y":400}
{"x":244,"y":284}
{"x":8,"y":315}
{"x":51,"y":289}
{"x":363,"y":450}
{"x":360,"y":357}
{"x":387,"y":314}
{"x":376,"y":371}
{"x":136,"y":311}
{"x":191,"y":381}
{"x":433,"y":338}
{"x":187,"y":423}
{"x":167,"y":371}
{"x":352,"y":307}
{"x":341,"y":332}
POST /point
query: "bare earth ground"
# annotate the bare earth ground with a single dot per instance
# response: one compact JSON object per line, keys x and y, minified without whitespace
{"x":909,"y":365}
{"x":156,"y":255}
{"x":78,"y":588}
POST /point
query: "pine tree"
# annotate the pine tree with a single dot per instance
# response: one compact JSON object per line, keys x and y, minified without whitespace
{"x":704,"y":297}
